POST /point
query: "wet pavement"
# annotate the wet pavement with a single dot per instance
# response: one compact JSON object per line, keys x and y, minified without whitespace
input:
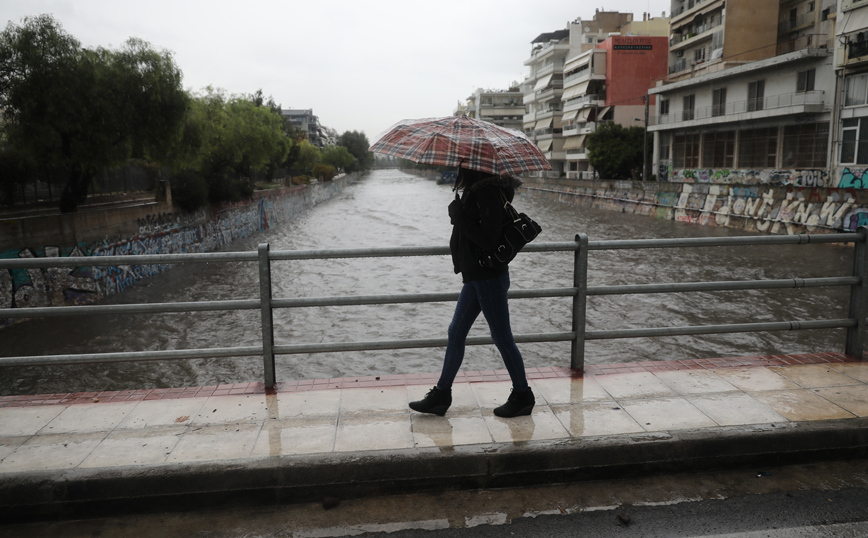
{"x":113,"y":452}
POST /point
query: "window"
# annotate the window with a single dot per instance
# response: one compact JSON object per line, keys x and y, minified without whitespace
{"x":855,"y":89}
{"x":854,"y":143}
{"x":688,"y":112}
{"x":805,"y":145}
{"x":758,"y":148}
{"x":812,"y":6}
{"x":664,"y":107}
{"x":718,"y":150}
{"x":699,"y":55}
{"x":685,"y":151}
{"x":755,"y":95}
{"x":665,"y":141}
{"x":718,"y":102}
{"x":805,"y":81}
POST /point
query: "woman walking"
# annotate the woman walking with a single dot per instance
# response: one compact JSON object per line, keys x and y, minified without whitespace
{"x":477,"y":217}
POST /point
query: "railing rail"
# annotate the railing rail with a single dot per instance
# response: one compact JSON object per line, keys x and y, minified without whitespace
{"x":579,"y":292}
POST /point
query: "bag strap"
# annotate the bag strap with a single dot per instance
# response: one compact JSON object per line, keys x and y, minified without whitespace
{"x":508,"y":206}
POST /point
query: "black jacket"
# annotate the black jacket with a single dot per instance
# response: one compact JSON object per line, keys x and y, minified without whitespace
{"x":484,"y":214}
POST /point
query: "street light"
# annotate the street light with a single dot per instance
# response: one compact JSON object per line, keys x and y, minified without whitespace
{"x":644,"y":148}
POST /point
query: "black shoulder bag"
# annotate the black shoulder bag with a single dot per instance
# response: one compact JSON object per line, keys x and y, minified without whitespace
{"x":518,"y":230}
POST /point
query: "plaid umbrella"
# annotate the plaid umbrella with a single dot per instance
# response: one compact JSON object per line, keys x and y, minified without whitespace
{"x":462,"y":141}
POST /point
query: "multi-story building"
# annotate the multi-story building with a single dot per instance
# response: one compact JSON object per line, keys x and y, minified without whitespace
{"x":500,"y":107}
{"x":579,"y":75}
{"x":305,"y":121}
{"x":749,"y":94}
{"x":850,"y":147}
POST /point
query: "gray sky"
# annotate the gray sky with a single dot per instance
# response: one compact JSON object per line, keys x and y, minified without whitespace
{"x":360,"y":65}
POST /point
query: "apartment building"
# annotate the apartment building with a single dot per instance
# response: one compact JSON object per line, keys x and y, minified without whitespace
{"x":850,"y":142}
{"x":587,"y":74}
{"x":750,"y":92}
{"x":500,"y":107}
{"x":307,"y":122}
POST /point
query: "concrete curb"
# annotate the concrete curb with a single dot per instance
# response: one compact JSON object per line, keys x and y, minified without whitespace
{"x":112,"y":491}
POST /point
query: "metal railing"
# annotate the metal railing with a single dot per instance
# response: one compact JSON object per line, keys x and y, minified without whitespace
{"x":578,"y":292}
{"x":814,"y":99}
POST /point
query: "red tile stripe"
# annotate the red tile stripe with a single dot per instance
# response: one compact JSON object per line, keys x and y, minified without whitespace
{"x":401,"y":380}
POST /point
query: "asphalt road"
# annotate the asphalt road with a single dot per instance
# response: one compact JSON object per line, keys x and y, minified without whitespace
{"x":821,"y":499}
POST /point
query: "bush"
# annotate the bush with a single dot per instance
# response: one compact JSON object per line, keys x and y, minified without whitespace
{"x":325,"y":172}
{"x":301,"y":180}
{"x":224,"y":188}
{"x":189,"y":190}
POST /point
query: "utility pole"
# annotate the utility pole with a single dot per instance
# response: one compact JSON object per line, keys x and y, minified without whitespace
{"x":646,"y":166}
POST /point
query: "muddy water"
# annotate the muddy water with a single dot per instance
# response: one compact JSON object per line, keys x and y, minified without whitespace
{"x":390,"y":208}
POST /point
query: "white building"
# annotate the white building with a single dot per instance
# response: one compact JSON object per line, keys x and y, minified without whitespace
{"x":851,"y":65}
{"x":305,"y":120}
{"x":500,"y":107}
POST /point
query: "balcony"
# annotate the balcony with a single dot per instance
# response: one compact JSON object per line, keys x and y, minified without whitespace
{"x":856,"y":49}
{"x":548,"y":113}
{"x":797,"y":23}
{"x":698,"y":33}
{"x":681,"y":65}
{"x":581,"y":102}
{"x":773,"y":105}
{"x":548,"y":133}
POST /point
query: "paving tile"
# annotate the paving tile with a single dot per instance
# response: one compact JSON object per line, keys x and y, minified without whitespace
{"x":215,"y":442}
{"x":634,"y":385}
{"x":89,"y":417}
{"x":232,"y":409}
{"x":664,"y":414}
{"x":596,"y":418}
{"x":541,"y":424}
{"x":152,"y":413}
{"x":853,"y":398}
{"x":801,"y":405}
{"x":374,"y":432}
{"x":491,"y":395}
{"x":856,"y":370}
{"x":695,"y":382}
{"x":135,"y":447}
{"x":463,"y":398}
{"x":8,"y":445}
{"x":48,"y":452}
{"x":756,"y":379}
{"x":562,"y":391}
{"x":374,"y":401}
{"x":309,"y":404}
{"x":16,"y":421}
{"x":302,"y":435}
{"x":814,"y":376}
{"x":733,"y":409}
{"x":431,"y":430}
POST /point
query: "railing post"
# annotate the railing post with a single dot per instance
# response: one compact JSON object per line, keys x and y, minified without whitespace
{"x":266,"y":316}
{"x":580,"y":282}
{"x":858,"y":296}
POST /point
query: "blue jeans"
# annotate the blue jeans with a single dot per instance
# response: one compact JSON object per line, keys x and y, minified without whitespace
{"x":488,"y":297}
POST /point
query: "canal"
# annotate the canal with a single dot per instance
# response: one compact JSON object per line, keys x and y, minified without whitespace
{"x":390,"y":208}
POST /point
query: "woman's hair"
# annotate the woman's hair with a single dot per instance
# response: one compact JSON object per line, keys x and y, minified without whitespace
{"x":467,"y":177}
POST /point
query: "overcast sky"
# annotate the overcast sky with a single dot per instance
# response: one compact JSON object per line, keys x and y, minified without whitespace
{"x":360,"y":65}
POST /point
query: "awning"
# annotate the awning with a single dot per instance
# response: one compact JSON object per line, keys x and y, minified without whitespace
{"x":543,"y":82}
{"x":567,"y":118}
{"x":576,"y":91}
{"x":855,"y":20}
{"x":577,"y":62}
{"x":602,"y":112}
{"x":585,"y":113}
{"x":529,"y":125}
{"x":575,"y":142}
{"x":544,"y":145}
{"x":543,"y":124}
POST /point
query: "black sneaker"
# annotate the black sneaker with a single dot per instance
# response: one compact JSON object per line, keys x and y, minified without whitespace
{"x":437,"y":401}
{"x":518,"y":404}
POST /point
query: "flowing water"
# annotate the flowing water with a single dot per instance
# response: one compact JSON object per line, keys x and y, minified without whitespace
{"x":389,"y":208}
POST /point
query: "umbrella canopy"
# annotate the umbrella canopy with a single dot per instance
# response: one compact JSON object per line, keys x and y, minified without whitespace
{"x":462,"y":141}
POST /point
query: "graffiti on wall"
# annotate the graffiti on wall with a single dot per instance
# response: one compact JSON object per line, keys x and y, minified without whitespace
{"x":853,"y":179}
{"x":164,"y":233}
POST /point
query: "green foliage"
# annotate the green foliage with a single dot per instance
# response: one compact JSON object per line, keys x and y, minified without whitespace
{"x":357,"y":145}
{"x":189,"y":190}
{"x":614,"y":151}
{"x":338,"y":157}
{"x":325,"y":172}
{"x":86,"y":110}
{"x":308,"y":156}
{"x":15,"y":168}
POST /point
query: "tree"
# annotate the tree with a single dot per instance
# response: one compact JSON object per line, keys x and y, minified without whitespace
{"x":615,"y":152}
{"x":357,"y":144}
{"x":337,"y":156}
{"x":86,"y":110}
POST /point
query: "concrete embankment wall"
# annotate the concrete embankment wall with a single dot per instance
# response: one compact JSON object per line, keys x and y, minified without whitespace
{"x":151,"y":228}
{"x":764,"y":208}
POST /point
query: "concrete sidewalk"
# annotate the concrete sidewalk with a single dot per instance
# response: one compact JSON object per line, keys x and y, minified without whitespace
{"x":89,"y":454}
